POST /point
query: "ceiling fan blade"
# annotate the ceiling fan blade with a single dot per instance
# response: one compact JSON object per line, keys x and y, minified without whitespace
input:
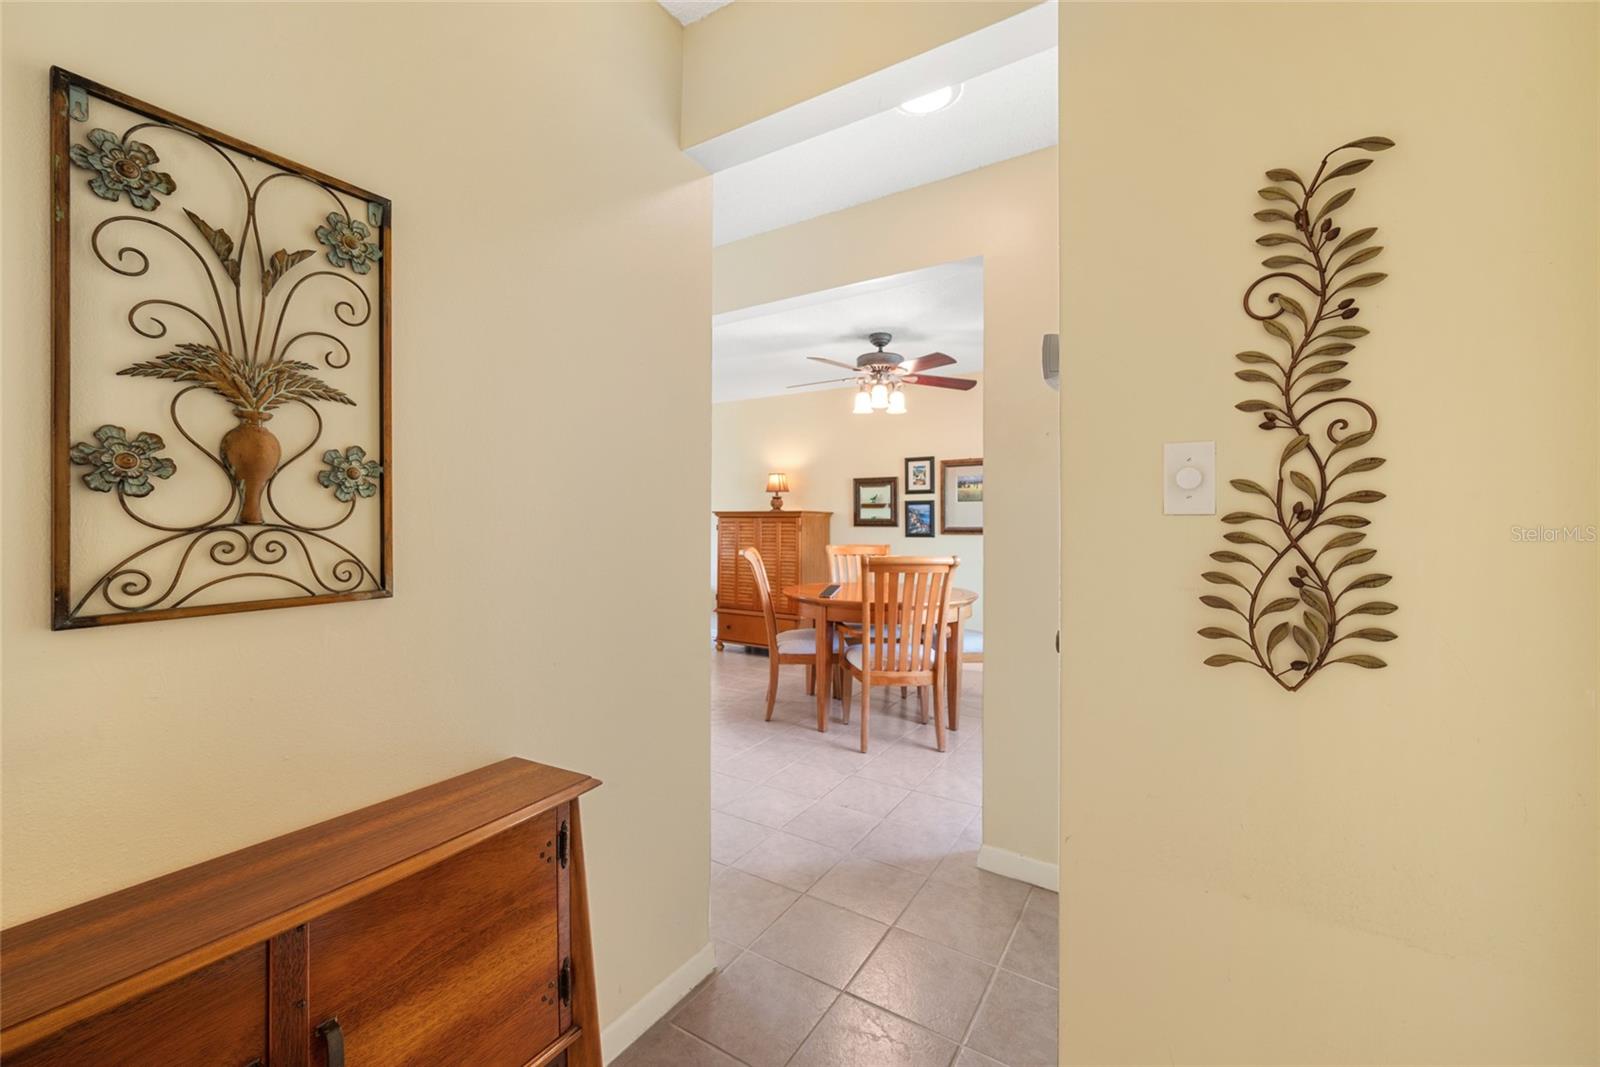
{"x":939,"y":382}
{"x":826,"y":381}
{"x":834,"y":363}
{"x":927,"y":362}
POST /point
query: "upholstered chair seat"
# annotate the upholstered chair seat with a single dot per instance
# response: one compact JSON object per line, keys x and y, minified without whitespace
{"x":798,"y":642}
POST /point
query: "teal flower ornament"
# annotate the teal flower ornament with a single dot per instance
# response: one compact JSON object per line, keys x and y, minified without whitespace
{"x":347,"y":243}
{"x":350,"y":473}
{"x":120,"y":464}
{"x":123,"y":167}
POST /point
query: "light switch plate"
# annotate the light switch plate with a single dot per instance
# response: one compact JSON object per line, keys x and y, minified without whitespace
{"x":1201,"y":456}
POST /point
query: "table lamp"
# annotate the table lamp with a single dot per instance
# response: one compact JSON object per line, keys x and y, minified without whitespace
{"x":777,"y":484}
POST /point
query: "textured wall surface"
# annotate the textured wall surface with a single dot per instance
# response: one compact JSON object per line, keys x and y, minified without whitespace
{"x":1392,"y":866}
{"x":545,"y":222}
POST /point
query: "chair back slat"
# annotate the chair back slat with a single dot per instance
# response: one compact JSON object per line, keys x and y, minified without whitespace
{"x":844,"y":561}
{"x":904,"y":602}
{"x":764,"y":592}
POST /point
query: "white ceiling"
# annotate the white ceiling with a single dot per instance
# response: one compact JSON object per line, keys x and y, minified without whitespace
{"x":687,"y":11}
{"x":1004,"y":113}
{"x":761,"y":350}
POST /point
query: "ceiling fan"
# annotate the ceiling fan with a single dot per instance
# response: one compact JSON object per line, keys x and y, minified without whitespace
{"x":881,"y":374}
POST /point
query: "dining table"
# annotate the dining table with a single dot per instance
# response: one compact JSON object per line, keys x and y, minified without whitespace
{"x":844,"y":606}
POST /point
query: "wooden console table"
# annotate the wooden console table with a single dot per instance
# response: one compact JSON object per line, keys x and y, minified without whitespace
{"x":448,"y":925}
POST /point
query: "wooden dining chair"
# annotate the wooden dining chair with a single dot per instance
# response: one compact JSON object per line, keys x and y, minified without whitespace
{"x":904,"y":603}
{"x":844,"y":561}
{"x":795,"y":647}
{"x":844,"y":565}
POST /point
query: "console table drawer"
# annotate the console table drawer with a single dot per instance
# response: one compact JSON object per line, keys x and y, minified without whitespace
{"x":215,"y":1017}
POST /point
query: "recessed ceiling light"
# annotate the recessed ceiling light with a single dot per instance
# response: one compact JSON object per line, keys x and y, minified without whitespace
{"x":928,"y":103}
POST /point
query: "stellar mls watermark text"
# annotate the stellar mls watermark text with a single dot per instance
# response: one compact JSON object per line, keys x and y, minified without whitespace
{"x":1546,"y":535}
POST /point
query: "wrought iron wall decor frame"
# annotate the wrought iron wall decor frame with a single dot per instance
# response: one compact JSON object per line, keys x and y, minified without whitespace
{"x":250,"y":537}
{"x":1316,"y":339}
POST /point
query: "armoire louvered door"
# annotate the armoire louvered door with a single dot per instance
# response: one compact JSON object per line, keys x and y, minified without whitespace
{"x":791,"y":543}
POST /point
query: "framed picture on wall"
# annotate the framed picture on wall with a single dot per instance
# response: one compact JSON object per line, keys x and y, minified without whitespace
{"x":961,"y":496}
{"x":919,"y":518}
{"x":875,"y":501}
{"x":919,"y":475}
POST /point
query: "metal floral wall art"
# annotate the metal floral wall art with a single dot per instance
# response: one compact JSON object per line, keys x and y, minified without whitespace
{"x":220,"y":325}
{"x":1297,"y":572}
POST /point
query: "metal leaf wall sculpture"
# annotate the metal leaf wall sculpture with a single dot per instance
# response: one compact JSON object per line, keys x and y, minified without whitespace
{"x":1297,"y":563}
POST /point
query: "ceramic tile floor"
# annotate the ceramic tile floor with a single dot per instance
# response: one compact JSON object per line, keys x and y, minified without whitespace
{"x":852,"y":926}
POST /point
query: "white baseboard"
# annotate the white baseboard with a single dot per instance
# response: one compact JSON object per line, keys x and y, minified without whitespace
{"x":1022,"y":868}
{"x":628,"y":1027}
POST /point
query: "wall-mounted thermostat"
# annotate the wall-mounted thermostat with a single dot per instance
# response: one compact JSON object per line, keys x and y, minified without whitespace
{"x":1189,"y":478}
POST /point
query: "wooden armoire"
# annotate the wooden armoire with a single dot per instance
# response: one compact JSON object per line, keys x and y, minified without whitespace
{"x":794,"y":546}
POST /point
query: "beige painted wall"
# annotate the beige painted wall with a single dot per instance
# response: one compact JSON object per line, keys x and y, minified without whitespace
{"x":1392,"y":866}
{"x":751,"y":59}
{"x":1005,"y":213}
{"x":545,"y":222}
{"x":815,"y":439}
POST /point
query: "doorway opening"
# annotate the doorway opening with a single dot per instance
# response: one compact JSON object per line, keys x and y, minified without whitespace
{"x":908,"y":242}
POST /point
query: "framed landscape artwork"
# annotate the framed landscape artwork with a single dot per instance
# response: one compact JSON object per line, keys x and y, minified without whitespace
{"x":220,"y":371}
{"x":875,"y":501}
{"x":961,"y":496}
{"x":919,"y":475}
{"x":919,"y":518}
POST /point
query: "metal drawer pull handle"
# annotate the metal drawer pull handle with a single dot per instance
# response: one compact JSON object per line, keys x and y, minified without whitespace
{"x":330,"y":1032}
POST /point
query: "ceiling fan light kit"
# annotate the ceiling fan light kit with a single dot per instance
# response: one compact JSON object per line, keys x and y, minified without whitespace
{"x":881,"y":377}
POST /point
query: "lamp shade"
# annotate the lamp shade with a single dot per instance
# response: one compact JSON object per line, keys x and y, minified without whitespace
{"x":777,"y":482}
{"x":863,"y":404}
{"x":897,"y":403}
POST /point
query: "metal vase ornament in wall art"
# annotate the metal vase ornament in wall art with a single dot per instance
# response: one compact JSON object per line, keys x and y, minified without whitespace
{"x":221,"y":323}
{"x":1301,"y":585}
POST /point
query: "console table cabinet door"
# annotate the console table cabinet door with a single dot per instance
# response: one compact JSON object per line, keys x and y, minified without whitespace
{"x":459,"y":963}
{"x":215,"y":1017}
